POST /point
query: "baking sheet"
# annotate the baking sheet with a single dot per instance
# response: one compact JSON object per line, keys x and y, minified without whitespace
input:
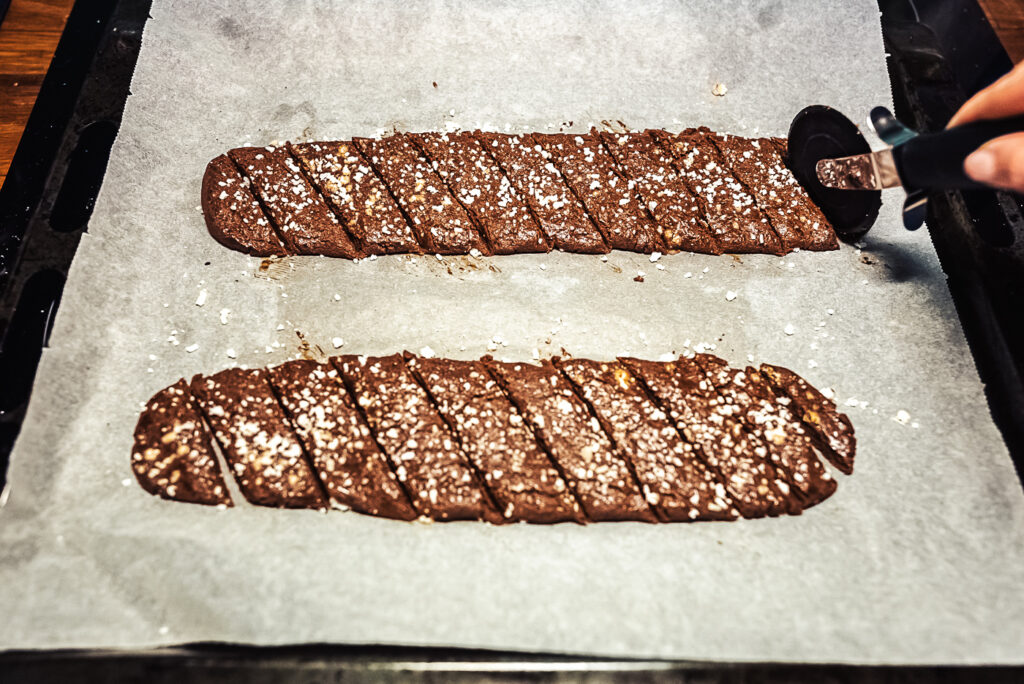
{"x":916,"y":559}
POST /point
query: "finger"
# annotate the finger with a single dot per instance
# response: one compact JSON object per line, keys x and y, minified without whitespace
{"x":999,"y":162}
{"x":1003,"y":98}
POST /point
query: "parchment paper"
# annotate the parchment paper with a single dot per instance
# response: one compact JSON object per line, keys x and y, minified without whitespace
{"x":916,"y":559}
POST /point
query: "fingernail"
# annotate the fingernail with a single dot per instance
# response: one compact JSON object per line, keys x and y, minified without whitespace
{"x":980,"y":165}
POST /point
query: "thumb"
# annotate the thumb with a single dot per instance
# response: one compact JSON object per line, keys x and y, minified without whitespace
{"x":999,"y":162}
{"x":998,"y":101}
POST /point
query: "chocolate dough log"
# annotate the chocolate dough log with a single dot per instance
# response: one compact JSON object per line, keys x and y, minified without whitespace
{"x":565,"y":440}
{"x":494,"y":193}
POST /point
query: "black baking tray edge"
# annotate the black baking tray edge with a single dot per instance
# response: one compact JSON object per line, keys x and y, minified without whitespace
{"x":52,"y":183}
{"x":208,"y":663}
{"x":939,"y":54}
{"x":45,"y":205}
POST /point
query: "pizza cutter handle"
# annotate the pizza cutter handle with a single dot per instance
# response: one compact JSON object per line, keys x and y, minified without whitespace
{"x":935,"y":161}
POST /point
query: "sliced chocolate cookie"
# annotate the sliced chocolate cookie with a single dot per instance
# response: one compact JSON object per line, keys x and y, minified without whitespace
{"x":609,"y":198}
{"x":425,"y":455}
{"x":233,"y":216}
{"x":538,"y":181}
{"x":648,"y":166}
{"x":486,"y":193}
{"x":681,"y":388}
{"x":674,"y":479}
{"x":759,"y":164}
{"x":258,"y":444}
{"x":355,"y":194}
{"x":173,"y":455}
{"x":300,"y":215}
{"x":351,"y":467}
{"x":732,"y":213}
{"x":523,"y":481}
{"x":831,"y":430}
{"x":442,"y":226}
{"x":789,"y":447}
{"x":600,"y":477}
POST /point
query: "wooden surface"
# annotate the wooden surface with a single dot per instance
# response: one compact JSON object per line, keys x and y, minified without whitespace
{"x":28,"y":36}
{"x":1007,"y":18}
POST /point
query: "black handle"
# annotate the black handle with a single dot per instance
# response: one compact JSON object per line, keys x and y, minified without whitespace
{"x":935,"y":161}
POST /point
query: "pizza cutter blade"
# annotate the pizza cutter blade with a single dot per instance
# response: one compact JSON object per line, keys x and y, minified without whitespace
{"x":820,"y":132}
{"x":830,"y":157}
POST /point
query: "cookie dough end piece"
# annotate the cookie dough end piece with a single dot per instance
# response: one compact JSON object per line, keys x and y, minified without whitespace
{"x":173,"y":455}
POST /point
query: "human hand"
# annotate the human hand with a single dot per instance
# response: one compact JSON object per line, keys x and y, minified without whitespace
{"x":1000,"y":161}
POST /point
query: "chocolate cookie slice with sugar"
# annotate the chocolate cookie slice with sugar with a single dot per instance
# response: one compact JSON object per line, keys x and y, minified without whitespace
{"x":609,"y":198}
{"x":832,"y":431}
{"x":351,"y":467}
{"x":302,"y":218}
{"x":173,"y":455}
{"x":732,"y":213}
{"x":675,"y":481}
{"x":788,"y":446}
{"x":668,"y":199}
{"x":521,"y":478}
{"x":355,"y":194}
{"x":600,"y":478}
{"x":728,"y":400}
{"x":256,"y":439}
{"x":233,"y":216}
{"x":441,"y":225}
{"x":820,"y":232}
{"x":791,"y":438}
{"x":425,"y":455}
{"x":817,"y":230}
{"x":759,"y":164}
{"x":486,"y":193}
{"x":561,"y":216}
{"x":747,"y":160}
{"x":681,"y":388}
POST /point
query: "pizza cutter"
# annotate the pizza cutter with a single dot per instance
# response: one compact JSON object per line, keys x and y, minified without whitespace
{"x":835,"y":164}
